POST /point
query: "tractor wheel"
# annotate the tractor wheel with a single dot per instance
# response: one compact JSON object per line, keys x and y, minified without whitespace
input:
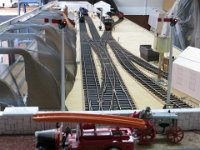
{"x":146,"y":135}
{"x":175,"y":134}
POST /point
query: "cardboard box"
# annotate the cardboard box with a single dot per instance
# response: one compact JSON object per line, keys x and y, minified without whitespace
{"x":148,"y":54}
{"x":186,"y":72}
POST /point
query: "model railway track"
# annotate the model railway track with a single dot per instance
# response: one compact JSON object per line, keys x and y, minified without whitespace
{"x":108,"y":37}
{"x":105,"y":37}
{"x":113,"y":95}
{"x":144,"y":64}
{"x":90,"y":80}
{"x":125,"y":60}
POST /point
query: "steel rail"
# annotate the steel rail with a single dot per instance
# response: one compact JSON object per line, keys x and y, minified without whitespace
{"x":90,"y":80}
{"x":114,"y":101}
{"x":144,"y":79}
{"x":111,"y":79}
{"x":143,"y":63}
{"x":125,"y":59}
{"x":120,"y":98}
{"x":108,"y":36}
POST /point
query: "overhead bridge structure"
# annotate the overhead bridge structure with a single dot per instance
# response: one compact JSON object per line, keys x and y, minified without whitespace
{"x":33,"y":76}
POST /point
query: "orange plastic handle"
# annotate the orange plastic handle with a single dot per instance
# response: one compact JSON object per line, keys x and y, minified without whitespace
{"x":90,"y":118}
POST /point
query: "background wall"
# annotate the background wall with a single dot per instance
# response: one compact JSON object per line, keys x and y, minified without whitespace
{"x":135,"y":7}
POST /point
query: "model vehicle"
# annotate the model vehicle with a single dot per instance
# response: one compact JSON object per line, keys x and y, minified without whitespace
{"x":164,"y":123}
{"x":88,"y":136}
{"x":108,"y":22}
{"x":83,"y":11}
{"x":81,"y":19}
{"x":120,"y":15}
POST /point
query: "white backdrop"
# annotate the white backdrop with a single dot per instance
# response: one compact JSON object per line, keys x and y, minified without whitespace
{"x":138,"y":7}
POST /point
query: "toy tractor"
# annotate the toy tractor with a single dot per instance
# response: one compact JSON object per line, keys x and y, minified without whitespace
{"x":163,"y":123}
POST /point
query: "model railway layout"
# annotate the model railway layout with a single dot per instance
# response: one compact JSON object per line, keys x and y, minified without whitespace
{"x":111,"y":79}
{"x":144,"y":64}
{"x":143,"y":79}
{"x":126,"y":59}
{"x":107,"y":93}
{"x":112,"y":95}
{"x":90,"y":80}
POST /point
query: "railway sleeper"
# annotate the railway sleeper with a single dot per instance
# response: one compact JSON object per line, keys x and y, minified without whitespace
{"x":90,"y":77}
{"x":91,"y":85}
{"x":121,"y":92}
{"x":93,"y":91}
{"x":107,"y":99}
{"x":106,"y":108}
{"x":177,"y":102}
{"x":92,"y":94}
{"x":94,"y":103}
{"x":124,"y":101}
{"x":123,"y":96}
{"x":85,"y":80}
{"x":89,"y":68}
{"x":106,"y":102}
{"x":91,"y":99}
{"x":92,"y":80}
